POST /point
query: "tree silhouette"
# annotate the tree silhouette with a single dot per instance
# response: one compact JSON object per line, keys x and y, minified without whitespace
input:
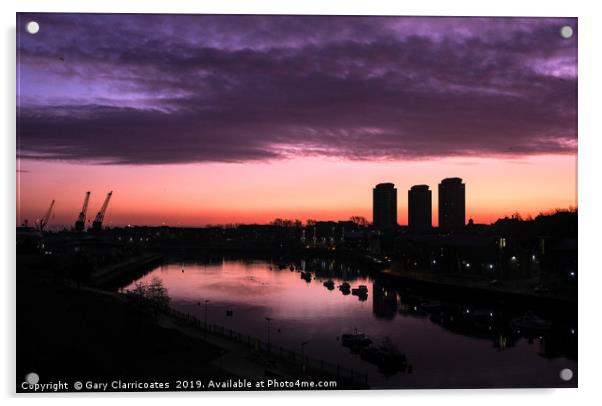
{"x":359,"y":220}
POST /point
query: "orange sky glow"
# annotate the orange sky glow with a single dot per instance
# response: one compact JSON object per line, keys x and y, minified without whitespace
{"x":299,"y":188}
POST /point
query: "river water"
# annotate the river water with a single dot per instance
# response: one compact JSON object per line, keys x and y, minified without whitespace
{"x":449,"y":342}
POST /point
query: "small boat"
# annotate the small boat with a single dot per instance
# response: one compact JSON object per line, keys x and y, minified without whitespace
{"x":306,"y":276}
{"x":361,"y":290}
{"x":355,"y":340}
{"x":385,"y":355}
{"x":329,"y":284}
{"x":292,"y":268}
{"x":345,"y":288}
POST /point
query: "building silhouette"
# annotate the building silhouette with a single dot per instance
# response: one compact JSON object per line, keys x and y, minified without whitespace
{"x":384,"y":206}
{"x":452,"y":204}
{"x":420,"y":209}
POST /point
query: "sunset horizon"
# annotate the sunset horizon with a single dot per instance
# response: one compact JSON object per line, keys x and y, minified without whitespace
{"x":194,"y":214}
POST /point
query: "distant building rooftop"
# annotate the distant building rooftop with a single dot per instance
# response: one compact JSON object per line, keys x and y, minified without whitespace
{"x":386,"y":185}
{"x":452,"y":180}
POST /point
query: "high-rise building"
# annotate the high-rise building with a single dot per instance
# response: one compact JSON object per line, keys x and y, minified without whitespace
{"x":420,"y":209}
{"x":452,"y":204}
{"x":384,"y":206}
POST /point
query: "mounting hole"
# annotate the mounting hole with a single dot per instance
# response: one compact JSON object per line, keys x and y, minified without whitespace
{"x":566,"y":374}
{"x":32,"y":378}
{"x":566,"y":31}
{"x":32,"y":27}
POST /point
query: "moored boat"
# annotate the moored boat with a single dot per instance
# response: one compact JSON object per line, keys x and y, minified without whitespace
{"x":345,"y":288}
{"x":385,"y":356}
{"x":361,"y":290}
{"x":355,"y":340}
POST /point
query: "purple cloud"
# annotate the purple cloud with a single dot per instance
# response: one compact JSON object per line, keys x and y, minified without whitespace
{"x":148,"y":89}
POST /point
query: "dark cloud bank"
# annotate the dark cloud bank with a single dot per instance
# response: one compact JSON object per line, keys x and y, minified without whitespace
{"x":236,"y":88}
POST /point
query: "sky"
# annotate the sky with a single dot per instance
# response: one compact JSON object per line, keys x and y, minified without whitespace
{"x":208,"y":119}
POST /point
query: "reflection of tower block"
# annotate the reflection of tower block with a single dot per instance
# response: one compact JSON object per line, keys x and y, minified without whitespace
{"x":315,"y":238}
{"x":331,"y":235}
{"x":303,"y":236}
{"x":502,"y":243}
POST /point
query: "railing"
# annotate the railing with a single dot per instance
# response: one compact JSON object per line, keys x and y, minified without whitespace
{"x":312,"y":365}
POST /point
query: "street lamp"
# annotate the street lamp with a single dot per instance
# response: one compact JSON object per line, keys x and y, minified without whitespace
{"x":269,"y":319}
{"x":303,"y":344}
{"x":206,"y":301}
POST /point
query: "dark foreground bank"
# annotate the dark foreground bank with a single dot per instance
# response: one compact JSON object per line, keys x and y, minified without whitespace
{"x":70,"y":334}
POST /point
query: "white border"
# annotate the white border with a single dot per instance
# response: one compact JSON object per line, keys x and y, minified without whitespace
{"x":590,"y":68}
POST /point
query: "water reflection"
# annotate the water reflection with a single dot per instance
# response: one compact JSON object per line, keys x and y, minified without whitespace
{"x":384,"y":301}
{"x":417,"y":338}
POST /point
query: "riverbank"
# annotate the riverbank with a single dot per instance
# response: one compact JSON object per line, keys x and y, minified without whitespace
{"x":112,"y":275}
{"x":521,"y":290}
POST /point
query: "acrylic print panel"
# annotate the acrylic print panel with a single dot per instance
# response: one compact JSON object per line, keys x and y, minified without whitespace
{"x":237,"y":202}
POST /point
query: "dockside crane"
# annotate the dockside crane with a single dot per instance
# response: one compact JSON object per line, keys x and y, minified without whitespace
{"x":80,"y":223}
{"x":100,"y":216}
{"x":44,"y":220}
